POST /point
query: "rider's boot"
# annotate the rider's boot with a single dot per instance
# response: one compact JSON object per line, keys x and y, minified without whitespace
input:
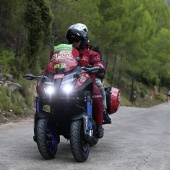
{"x":100,"y":131}
{"x":106,"y":118}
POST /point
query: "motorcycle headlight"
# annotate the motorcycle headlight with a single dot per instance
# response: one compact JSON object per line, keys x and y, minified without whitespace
{"x":49,"y":90}
{"x":67,"y":88}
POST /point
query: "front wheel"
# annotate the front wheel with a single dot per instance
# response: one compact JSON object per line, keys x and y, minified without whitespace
{"x":79,"y":147}
{"x":47,"y":139}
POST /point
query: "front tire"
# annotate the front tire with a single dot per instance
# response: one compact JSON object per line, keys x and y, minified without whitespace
{"x":79,"y":147}
{"x":47,"y":140}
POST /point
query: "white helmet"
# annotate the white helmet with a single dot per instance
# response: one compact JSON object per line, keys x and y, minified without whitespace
{"x":80,"y":27}
{"x":78,"y":31}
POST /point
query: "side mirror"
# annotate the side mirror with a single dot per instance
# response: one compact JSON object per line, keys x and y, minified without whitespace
{"x":29,"y":76}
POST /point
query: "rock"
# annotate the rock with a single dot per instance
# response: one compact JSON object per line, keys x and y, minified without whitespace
{"x":5,"y":77}
{"x":156,"y":90}
{"x":1,"y":83}
{"x":1,"y":69}
{"x":13,"y":86}
{"x":9,"y":76}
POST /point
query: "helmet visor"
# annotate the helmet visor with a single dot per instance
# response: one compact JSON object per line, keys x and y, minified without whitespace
{"x":71,"y":40}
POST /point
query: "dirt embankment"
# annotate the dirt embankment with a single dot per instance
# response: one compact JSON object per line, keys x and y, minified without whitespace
{"x":10,"y":116}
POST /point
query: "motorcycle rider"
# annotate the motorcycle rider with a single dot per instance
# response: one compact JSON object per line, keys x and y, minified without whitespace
{"x":79,"y":40}
{"x":100,"y":75}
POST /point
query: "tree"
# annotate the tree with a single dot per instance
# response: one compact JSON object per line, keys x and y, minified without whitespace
{"x":68,"y":12}
{"x":9,"y":17}
{"x":162,"y":53}
{"x":37,"y":22}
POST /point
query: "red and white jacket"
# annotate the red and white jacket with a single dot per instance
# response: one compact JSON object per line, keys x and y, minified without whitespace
{"x":91,"y":57}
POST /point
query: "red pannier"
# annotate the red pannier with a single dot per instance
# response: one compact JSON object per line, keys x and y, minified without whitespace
{"x":113,"y":99}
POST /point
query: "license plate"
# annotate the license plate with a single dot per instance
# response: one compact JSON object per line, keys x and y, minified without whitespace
{"x":58,"y":76}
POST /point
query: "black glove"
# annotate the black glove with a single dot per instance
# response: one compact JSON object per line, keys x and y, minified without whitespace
{"x":100,"y":75}
{"x":95,"y":69}
{"x":88,"y":66}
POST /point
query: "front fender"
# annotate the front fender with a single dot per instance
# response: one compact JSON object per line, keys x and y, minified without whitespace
{"x":42,"y":115}
{"x":86,"y":120}
{"x":77,"y":117}
{"x":38,"y":116}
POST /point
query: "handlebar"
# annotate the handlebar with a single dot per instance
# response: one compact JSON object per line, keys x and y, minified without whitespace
{"x":31,"y":76}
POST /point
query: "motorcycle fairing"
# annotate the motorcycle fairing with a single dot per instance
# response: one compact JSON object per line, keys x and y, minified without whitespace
{"x":64,"y":62}
{"x":84,"y":82}
{"x":61,"y":78}
{"x":83,"y":78}
{"x":58,"y":76}
{"x":88,"y":84}
{"x":62,"y":59}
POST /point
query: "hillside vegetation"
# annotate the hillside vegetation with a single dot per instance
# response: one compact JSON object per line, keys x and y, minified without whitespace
{"x":133,"y":37}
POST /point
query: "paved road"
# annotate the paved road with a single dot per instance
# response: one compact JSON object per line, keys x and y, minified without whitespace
{"x":137,"y":139}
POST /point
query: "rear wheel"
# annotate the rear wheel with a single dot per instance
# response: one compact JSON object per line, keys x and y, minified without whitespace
{"x":79,"y":147}
{"x":47,"y":139}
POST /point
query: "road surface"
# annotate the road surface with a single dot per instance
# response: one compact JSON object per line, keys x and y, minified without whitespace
{"x":137,"y":139}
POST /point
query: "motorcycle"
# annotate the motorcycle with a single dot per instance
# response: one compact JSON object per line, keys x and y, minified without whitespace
{"x":66,"y":88}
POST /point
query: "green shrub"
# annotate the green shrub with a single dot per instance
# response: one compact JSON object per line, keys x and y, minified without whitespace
{"x":124,"y":101}
{"x":10,"y":101}
{"x":5,"y":58}
{"x":160,"y":97}
{"x":24,"y":90}
{"x":12,"y":65}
